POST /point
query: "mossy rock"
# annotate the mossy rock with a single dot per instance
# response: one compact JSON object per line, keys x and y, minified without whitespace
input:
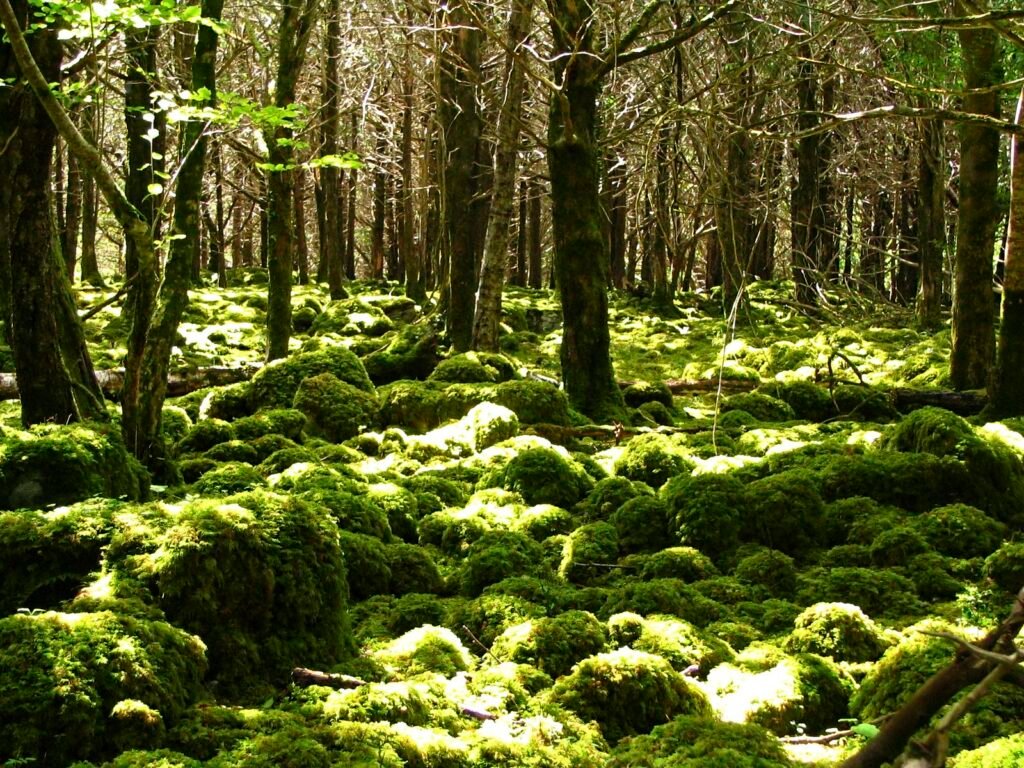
{"x":427,"y":649}
{"x":54,"y":464}
{"x":366,"y":565}
{"x":535,"y":402}
{"x":412,"y":569}
{"x":608,"y":495}
{"x":877,"y":591}
{"x":275,"y":385}
{"x":399,"y":505}
{"x":589,"y":553}
{"x":334,"y":409}
{"x":680,"y":642}
{"x":761,"y":406}
{"x":863,"y":403}
{"x":553,"y":645}
{"x":543,"y":476}
{"x":230,"y":402}
{"x":1006,"y":752}
{"x":352,"y":511}
{"x":808,"y":401}
{"x":204,"y":435}
{"x":240,"y":572}
{"x":701,"y":742}
{"x":174,"y":423}
{"x":655,"y":413}
{"x":474,"y":367}
{"x":351,"y":317}
{"x":64,"y":674}
{"x":640,"y":393}
{"x":489,"y":615}
{"x":628,"y":692}
{"x":1005,"y":567}
{"x":840,"y":631}
{"x":664,"y":596}
{"x":410,"y":354}
{"x":784,"y":511}
{"x":497,"y":555}
{"x":897,"y":546}
{"x":285,"y":422}
{"x":652,"y":459}
{"x":960,"y":530}
{"x":685,"y":563}
{"x":642,"y":525}
{"x":706,"y":512}
{"x":770,"y":569}
{"x":46,"y":557}
{"x":226,"y":479}
{"x":234,"y":450}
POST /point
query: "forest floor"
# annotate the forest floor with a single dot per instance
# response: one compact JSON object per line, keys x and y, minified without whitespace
{"x":762,"y":551}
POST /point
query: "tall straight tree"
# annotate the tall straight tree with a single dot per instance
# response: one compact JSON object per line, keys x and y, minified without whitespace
{"x":294,"y":26}
{"x":492,"y":270}
{"x":460,"y":133}
{"x":931,"y":222}
{"x":581,"y":257}
{"x":330,"y":175}
{"x":973,"y":351}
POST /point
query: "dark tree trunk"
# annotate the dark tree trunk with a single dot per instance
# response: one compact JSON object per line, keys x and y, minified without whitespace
{"x":350,"y":217}
{"x":973,"y":350}
{"x":518,"y":277}
{"x":410,"y":261}
{"x":72,"y":216}
{"x":90,"y":202}
{"x":806,"y":204}
{"x":460,"y":130}
{"x":931,"y":222}
{"x":535,"y":244}
{"x":301,"y":244}
{"x":618,"y":182}
{"x":331,"y":176}
{"x":380,"y":211}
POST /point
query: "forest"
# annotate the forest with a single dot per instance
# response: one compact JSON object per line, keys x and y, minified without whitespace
{"x":500,"y":383}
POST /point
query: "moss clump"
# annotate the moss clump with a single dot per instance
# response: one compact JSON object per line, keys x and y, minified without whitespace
{"x":535,"y":402}
{"x":1007,"y":752}
{"x":366,"y":565}
{"x":705,"y":512}
{"x":784,"y":511}
{"x":862,"y":403}
{"x":1005,"y":567}
{"x":274,"y":386}
{"x":681,"y":643}
{"x":233,"y":477}
{"x":474,"y":367}
{"x":770,"y":569}
{"x":63,"y":674}
{"x":759,"y":405}
{"x":487,"y":616}
{"x":58,"y":464}
{"x":543,"y":476}
{"x":351,"y":317}
{"x":286,"y":422}
{"x":877,"y":591}
{"x":902,"y":670}
{"x":642,"y":525}
{"x":628,"y":692}
{"x":897,"y":546}
{"x":641,"y":392}
{"x":667,"y":596}
{"x":400,"y":506}
{"x":234,"y":450}
{"x":427,"y":649}
{"x":960,"y":530}
{"x":496,"y":556}
{"x":608,"y":495}
{"x":684,"y":563}
{"x":240,"y":572}
{"x":808,"y":401}
{"x":352,"y":511}
{"x":205,"y":435}
{"x":588,"y":553}
{"x":652,"y":459}
{"x":701,"y":742}
{"x":334,"y":409}
{"x":553,"y":645}
{"x":412,"y":569}
{"x":284,"y":458}
{"x":230,"y":402}
{"x":411,"y":354}
{"x":174,"y":423}
{"x":840,"y":631}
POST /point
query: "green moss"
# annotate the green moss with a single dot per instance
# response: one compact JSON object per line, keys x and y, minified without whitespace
{"x":275,"y":385}
{"x":640,"y":393}
{"x":642,"y":525}
{"x":366,"y":565}
{"x":589,"y":553}
{"x":553,"y":645}
{"x":959,"y":530}
{"x":628,"y":692}
{"x":1007,"y":752}
{"x":410,"y":354}
{"x":684,"y":563}
{"x":761,"y":406}
{"x":230,"y":402}
{"x":474,"y":367}
{"x":174,"y":423}
{"x":496,"y":556}
{"x":352,"y":511}
{"x":399,"y":505}
{"x":227,"y":479}
{"x":701,"y":742}
{"x":1005,"y":567}
{"x":412,"y":569}
{"x":807,"y":400}
{"x":542,"y":476}
{"x":284,"y":458}
{"x":427,"y":649}
{"x":487,"y":616}
{"x":840,"y":631}
{"x":652,"y":459}
{"x":655,"y":413}
{"x":240,"y":573}
{"x":285,"y":422}
{"x":877,"y":591}
{"x":204,"y":435}
{"x":705,"y":512}
{"x":679,"y":642}
{"x":334,"y":409}
{"x":351,"y":317}
{"x":62,"y":675}
{"x":863,"y":403}
{"x":535,"y":402}
{"x":784,"y":511}
{"x":664,"y":596}
{"x":233,"y":450}
{"x":770,"y":569}
{"x":160,"y":758}
{"x":607,"y":496}
{"x":58,"y":464}
{"x":897,"y":546}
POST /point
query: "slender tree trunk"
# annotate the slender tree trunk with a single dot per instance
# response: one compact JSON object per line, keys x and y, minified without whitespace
{"x":72,"y":216}
{"x":331,"y":176}
{"x":931,"y":222}
{"x":410,"y":259}
{"x":535,"y":242}
{"x":294,"y":27}
{"x":350,"y":217}
{"x":460,"y":132}
{"x":492,"y":271}
{"x":301,"y":245}
{"x":380,"y":211}
{"x":90,"y":202}
{"x":518,"y":277}
{"x":973,"y":348}
{"x":805,"y":204}
{"x":1008,"y":382}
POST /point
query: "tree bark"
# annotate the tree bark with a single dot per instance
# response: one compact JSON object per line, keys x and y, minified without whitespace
{"x":973,"y":340}
{"x":331,"y":176}
{"x":931,"y":222}
{"x":535,"y":242}
{"x":487,"y":319}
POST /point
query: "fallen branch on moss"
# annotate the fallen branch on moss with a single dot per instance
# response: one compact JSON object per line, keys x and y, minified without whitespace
{"x":305,"y":677}
{"x":966,"y":669}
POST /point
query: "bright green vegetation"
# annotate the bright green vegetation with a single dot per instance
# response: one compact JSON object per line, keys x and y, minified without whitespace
{"x":513,"y":586}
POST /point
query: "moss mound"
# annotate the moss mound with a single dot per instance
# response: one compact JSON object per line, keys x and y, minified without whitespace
{"x":759,"y":405}
{"x":1007,"y":752}
{"x":258,"y":576}
{"x":628,"y":692}
{"x":62,"y":676}
{"x":960,"y":530}
{"x":334,"y":409}
{"x":784,"y":511}
{"x":1005,"y":567}
{"x":226,"y":479}
{"x":474,"y":367}
{"x":57,"y":464}
{"x":553,"y":645}
{"x":652,"y":459}
{"x":427,"y":649}
{"x":543,"y":476}
{"x":840,"y":631}
{"x":589,"y":553}
{"x":705,"y":512}
{"x":274,"y":386}
{"x":642,"y":525}
{"x":498,"y":555}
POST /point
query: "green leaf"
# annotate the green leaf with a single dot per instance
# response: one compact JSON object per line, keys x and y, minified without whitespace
{"x":191,"y":13}
{"x":866,"y":730}
{"x":155,"y":189}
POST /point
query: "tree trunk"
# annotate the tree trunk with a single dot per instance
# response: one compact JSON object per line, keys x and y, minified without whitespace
{"x":380,"y":210}
{"x":535,"y":243}
{"x":931,"y":222}
{"x":492,"y":271}
{"x":1008,"y":381}
{"x":301,"y":245}
{"x":294,"y":27}
{"x":973,"y":340}
{"x":72,"y":216}
{"x":331,"y":176}
{"x":518,"y":276}
{"x":350,"y":217}
{"x":807,"y":211}
{"x":410,"y":260}
{"x":460,"y":136}
{"x":90,"y":203}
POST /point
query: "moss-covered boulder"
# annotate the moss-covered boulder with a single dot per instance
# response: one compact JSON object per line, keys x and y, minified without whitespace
{"x":685,"y":563}
{"x":553,"y":645}
{"x":960,"y":530}
{"x":1005,"y":567}
{"x":275,"y":385}
{"x":258,"y":576}
{"x":62,"y":464}
{"x":542,"y":476}
{"x":284,"y":422}
{"x":474,"y":367}
{"x":498,"y":555}
{"x":334,"y":409}
{"x":366,"y":564}
{"x":230,"y":402}
{"x":410,"y":354}
{"x":427,"y":649}
{"x":351,"y":317}
{"x":204,"y":435}
{"x":807,"y":400}
{"x":681,"y":643}
{"x":229,"y":478}
{"x":770,"y":569}
{"x":589,"y":553}
{"x":706,"y":512}
{"x":784,"y":512}
{"x":642,"y":525}
{"x":701,"y":742}
{"x":1007,"y":752}
{"x":72,"y":684}
{"x":653,"y":459}
{"x":840,"y":631}
{"x":607,"y":495}
{"x":628,"y":692}
{"x":761,"y":406}
{"x":877,"y":591}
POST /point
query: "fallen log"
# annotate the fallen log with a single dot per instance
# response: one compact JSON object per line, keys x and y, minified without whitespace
{"x":961,"y":403}
{"x":690,"y":386}
{"x":178,"y":384}
{"x":306,"y":677}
